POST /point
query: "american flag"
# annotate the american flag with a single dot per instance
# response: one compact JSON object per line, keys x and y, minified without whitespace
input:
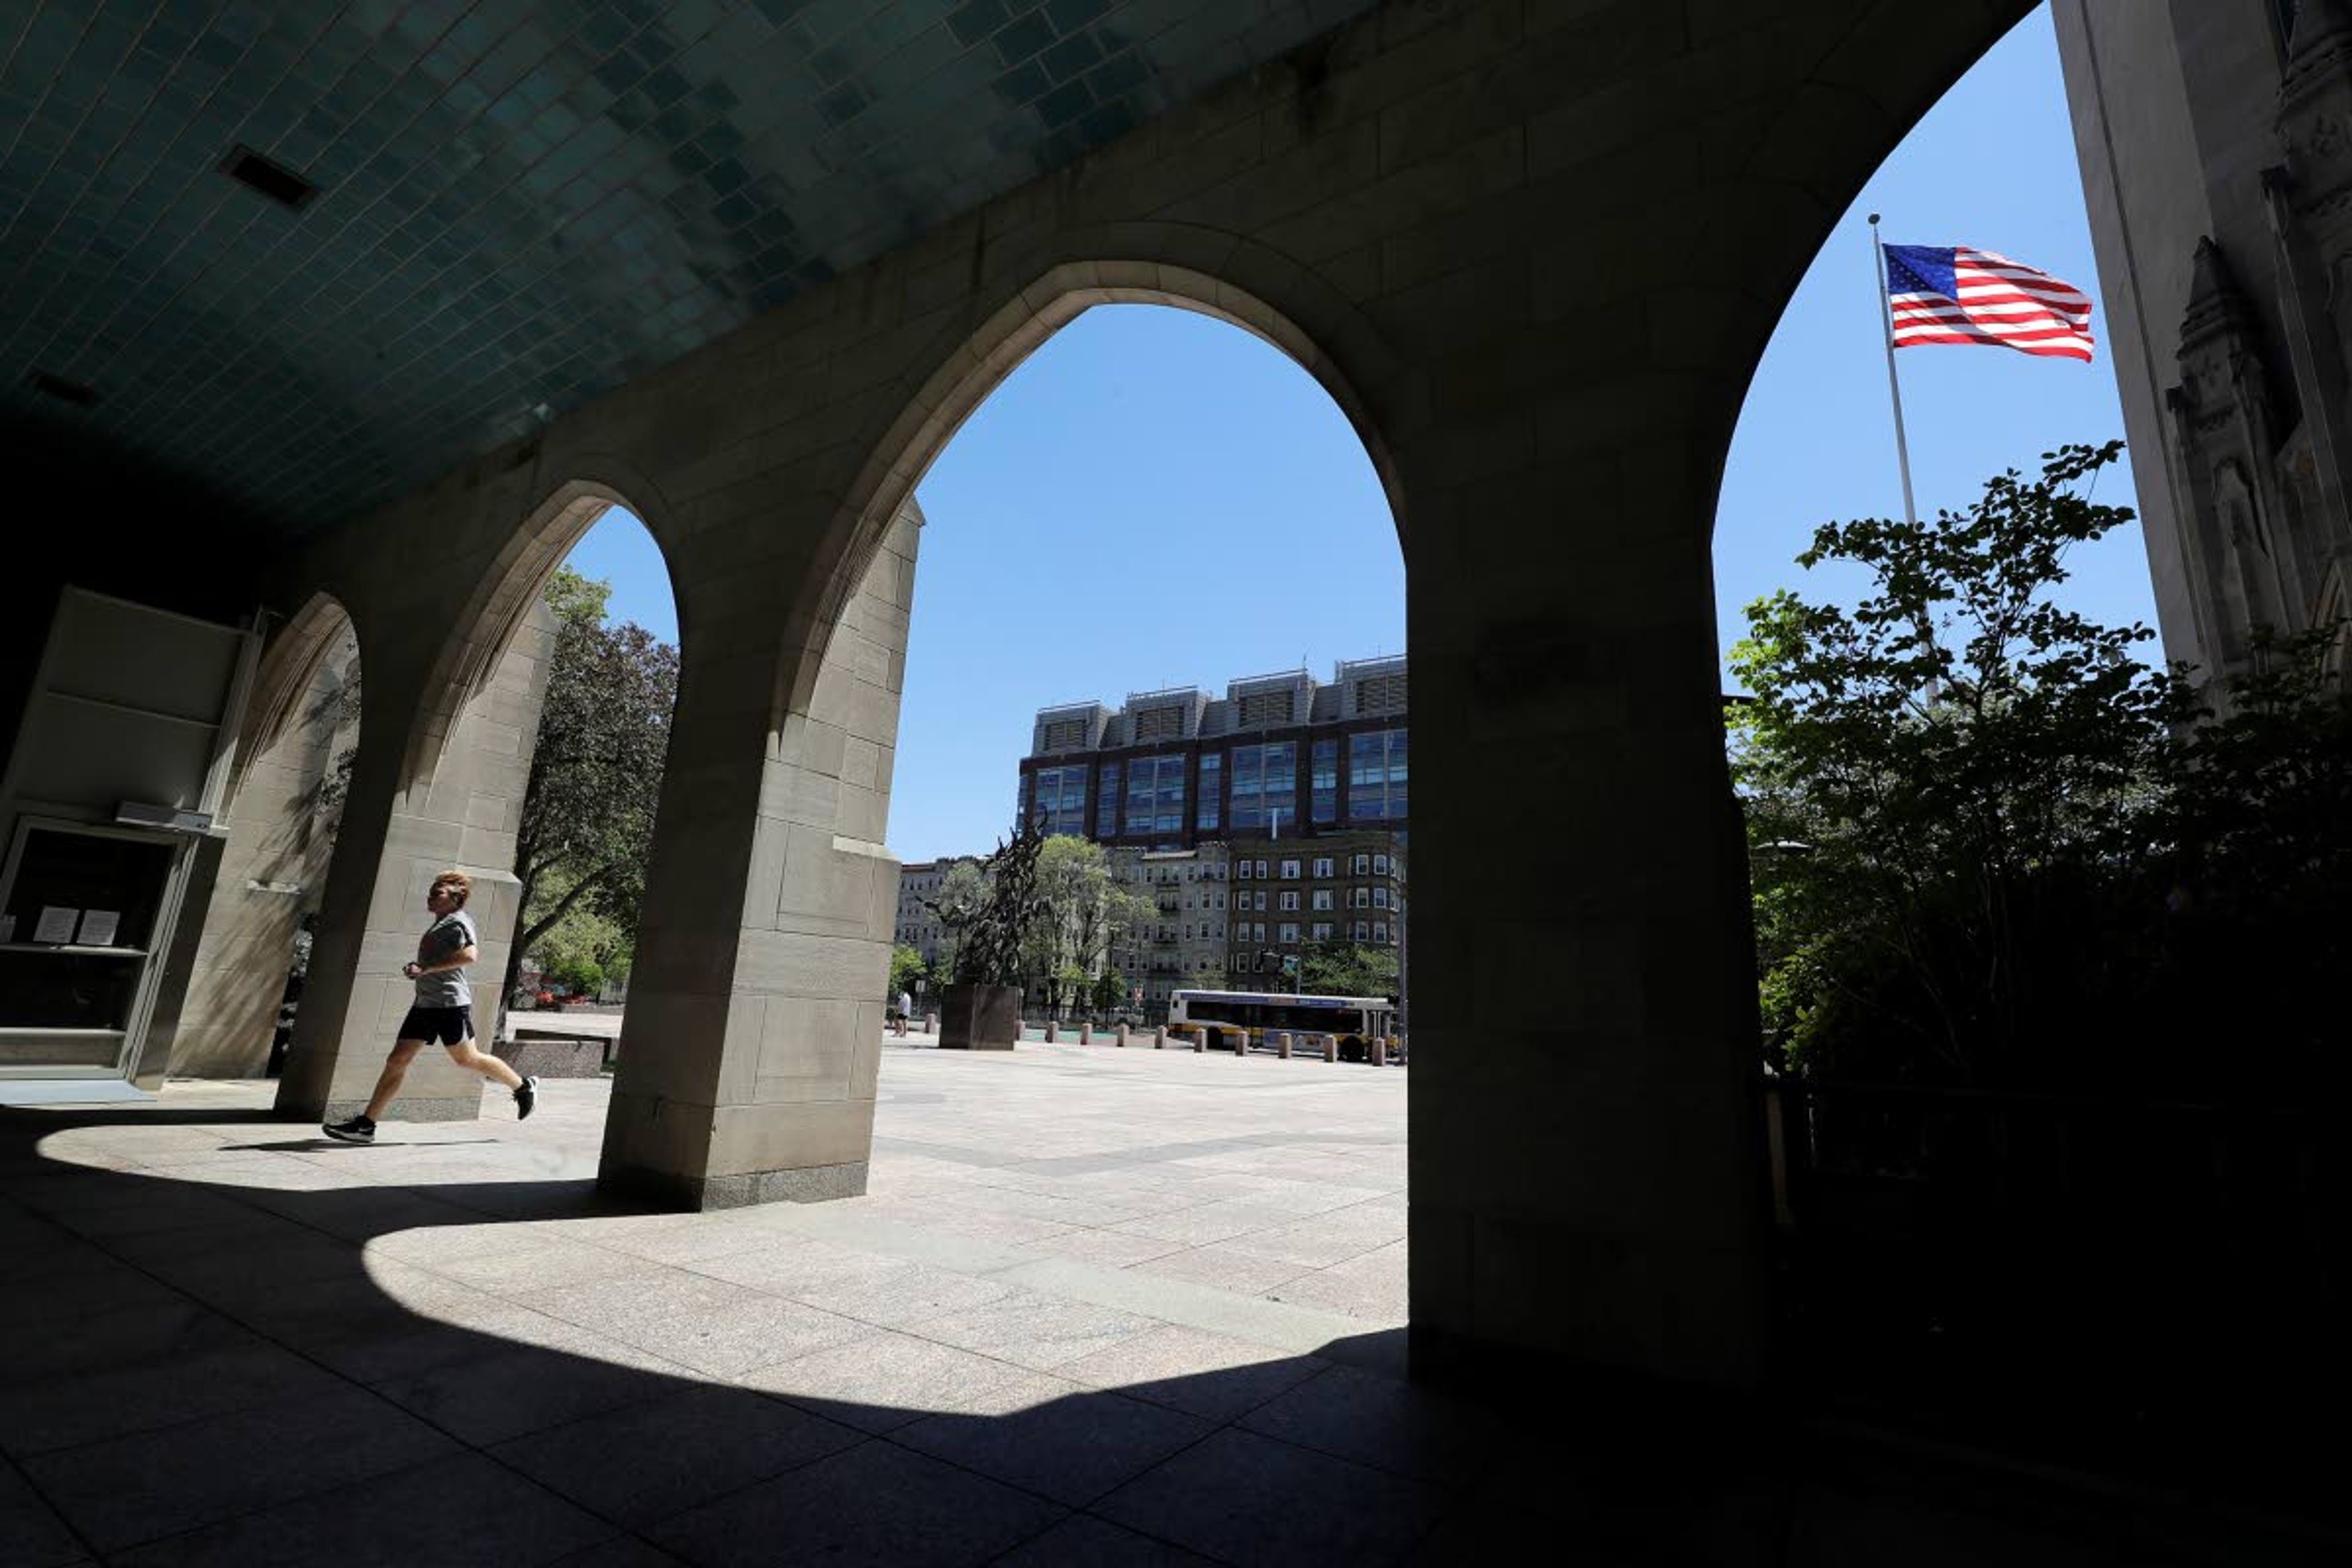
{"x":1952,"y":294}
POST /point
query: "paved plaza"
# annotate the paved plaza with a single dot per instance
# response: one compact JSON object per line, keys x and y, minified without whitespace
{"x":1101,"y":1306}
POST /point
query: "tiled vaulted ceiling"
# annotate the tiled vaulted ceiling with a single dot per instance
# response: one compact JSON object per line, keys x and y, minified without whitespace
{"x":520,"y":202}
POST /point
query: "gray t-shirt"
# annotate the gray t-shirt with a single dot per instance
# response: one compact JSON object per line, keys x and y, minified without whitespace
{"x":448,"y":987}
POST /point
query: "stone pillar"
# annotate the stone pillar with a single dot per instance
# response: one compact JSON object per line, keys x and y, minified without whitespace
{"x":1121,"y":1040}
{"x":1378,"y":1052}
{"x":1053,"y":1031}
{"x":1586,"y":1177}
{"x":1282,"y":1045}
{"x":770,"y":906}
{"x":1087,"y":1033}
{"x":1331,"y":1049}
{"x":1159,"y":1037}
{"x":394,"y":842}
{"x":930,"y":1023}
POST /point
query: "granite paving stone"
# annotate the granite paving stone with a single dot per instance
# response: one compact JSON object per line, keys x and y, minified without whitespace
{"x":875,"y":1506}
{"x":882,"y":1381}
{"x":649,"y":1462}
{"x":1208,"y":1374}
{"x":129,"y":1490}
{"x":1254,"y":1501}
{"x":465,"y":1509}
{"x":1032,"y":1330}
{"x":1055,"y":1437}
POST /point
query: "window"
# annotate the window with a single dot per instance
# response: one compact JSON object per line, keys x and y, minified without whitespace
{"x":1290,"y":899}
{"x":1241,"y":869}
{"x":1155,"y":796}
{"x":1106,"y":803}
{"x":1322,"y":931}
{"x":1323,"y":781}
{"x":1221,"y":901}
{"x":1265,"y":785}
{"x":1363,"y":865}
{"x":1379,"y":865}
{"x":1362,"y":931}
{"x":1261,"y":870}
{"x":1361,"y":898}
{"x":1322,"y":866}
{"x":1259,"y":902}
{"x":1290,"y":871}
{"x":1380,"y":930}
{"x":1322,"y":898}
{"x":1058,"y":801}
{"x":1379,"y":897}
{"x":1213,"y":778}
{"x":1375,"y":776}
{"x":1289,"y":930}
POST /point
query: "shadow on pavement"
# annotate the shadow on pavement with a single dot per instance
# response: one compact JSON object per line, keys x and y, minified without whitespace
{"x":203,"y":1369}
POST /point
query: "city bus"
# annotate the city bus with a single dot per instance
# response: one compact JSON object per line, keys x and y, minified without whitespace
{"x":1356,"y":1020}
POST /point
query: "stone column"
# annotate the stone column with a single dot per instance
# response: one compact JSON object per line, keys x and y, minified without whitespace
{"x":393,"y":844}
{"x":765,"y":941}
{"x":1586,"y":1175}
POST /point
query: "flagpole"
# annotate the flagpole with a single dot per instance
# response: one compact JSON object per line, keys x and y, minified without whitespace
{"x":1894,"y":384}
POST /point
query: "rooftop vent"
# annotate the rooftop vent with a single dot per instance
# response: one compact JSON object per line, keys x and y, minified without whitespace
{"x":274,"y":180}
{"x":64,"y":391}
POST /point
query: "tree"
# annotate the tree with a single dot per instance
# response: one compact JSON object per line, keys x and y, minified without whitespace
{"x":1110,"y":992}
{"x":1987,"y":842}
{"x":1934,"y":778}
{"x":1340,"y":968}
{"x":603,"y":736}
{"x":906,"y":967}
{"x":1082,"y":915}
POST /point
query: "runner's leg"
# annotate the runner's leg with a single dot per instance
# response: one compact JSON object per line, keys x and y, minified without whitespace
{"x":464,"y":1054}
{"x":387,"y":1083}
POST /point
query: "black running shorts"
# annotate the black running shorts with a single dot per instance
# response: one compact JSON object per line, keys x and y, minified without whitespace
{"x":448,"y":1026}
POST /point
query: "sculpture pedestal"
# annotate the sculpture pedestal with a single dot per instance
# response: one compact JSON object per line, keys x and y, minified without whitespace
{"x":979,"y":1017}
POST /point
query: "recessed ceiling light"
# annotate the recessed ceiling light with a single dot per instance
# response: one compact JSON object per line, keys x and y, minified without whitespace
{"x":272,"y":179}
{"x":64,"y":391}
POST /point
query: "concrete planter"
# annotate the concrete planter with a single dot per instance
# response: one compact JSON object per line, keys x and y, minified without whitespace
{"x":979,"y":1017}
{"x":568,"y":1057}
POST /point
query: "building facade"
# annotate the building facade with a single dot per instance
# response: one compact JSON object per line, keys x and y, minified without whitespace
{"x":1258,"y":823}
{"x":918,"y":925}
{"x":1280,"y":756}
{"x":2216,"y":146}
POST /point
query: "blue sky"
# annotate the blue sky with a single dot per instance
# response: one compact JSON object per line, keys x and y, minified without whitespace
{"x":1156,"y":499}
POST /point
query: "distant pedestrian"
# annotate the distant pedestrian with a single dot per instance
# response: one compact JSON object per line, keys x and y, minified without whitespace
{"x":906,"y":1011}
{"x":444,"y":1011}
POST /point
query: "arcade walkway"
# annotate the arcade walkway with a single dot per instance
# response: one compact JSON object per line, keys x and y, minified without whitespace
{"x":1100,"y":1307}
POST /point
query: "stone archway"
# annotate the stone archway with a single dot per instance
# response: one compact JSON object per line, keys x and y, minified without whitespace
{"x":443,"y":790}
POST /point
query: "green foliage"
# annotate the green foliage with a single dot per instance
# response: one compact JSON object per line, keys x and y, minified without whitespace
{"x":1081,"y":917}
{"x":906,"y":967}
{"x":577,"y":600}
{"x":1340,"y":968}
{"x":587,"y":832}
{"x":1972,"y":814}
{"x":1110,"y":989}
{"x":583,"y":938}
{"x":581,"y":977}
